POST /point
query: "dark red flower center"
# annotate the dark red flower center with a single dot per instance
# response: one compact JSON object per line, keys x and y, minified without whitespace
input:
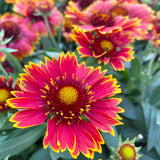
{"x":84,"y":4}
{"x":68,"y":101}
{"x":102,"y":47}
{"x":101,"y":19}
{"x":118,"y":11}
{"x":4,"y":95}
{"x":11,"y":29}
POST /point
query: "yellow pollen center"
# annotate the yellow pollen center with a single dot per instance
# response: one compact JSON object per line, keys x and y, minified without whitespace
{"x":107,"y":45}
{"x":4,"y":94}
{"x":127,"y":152}
{"x":68,"y":95}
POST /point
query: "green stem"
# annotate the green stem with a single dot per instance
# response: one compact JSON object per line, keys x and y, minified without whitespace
{"x":151,"y":63}
{"x":50,"y":33}
{"x":16,"y":63}
{"x":4,"y":71}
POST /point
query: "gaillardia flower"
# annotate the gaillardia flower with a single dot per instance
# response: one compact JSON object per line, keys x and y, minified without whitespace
{"x":126,"y":150}
{"x":22,"y":37}
{"x":76,"y":100}
{"x":29,"y":8}
{"x":97,"y":16}
{"x":142,"y":12}
{"x":108,"y":48}
{"x":6,"y":86}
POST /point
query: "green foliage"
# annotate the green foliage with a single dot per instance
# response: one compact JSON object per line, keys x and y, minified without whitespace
{"x":140,"y":83}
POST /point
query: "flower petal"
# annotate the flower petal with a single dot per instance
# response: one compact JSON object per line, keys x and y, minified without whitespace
{"x":51,"y":136}
{"x":28,"y":118}
{"x":66,"y":136}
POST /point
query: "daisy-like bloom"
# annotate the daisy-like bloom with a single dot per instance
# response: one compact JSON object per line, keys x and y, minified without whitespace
{"x":6,"y":86}
{"x":28,"y":8}
{"x":132,"y":10}
{"x":98,"y":17}
{"x":126,"y":150}
{"x":155,"y":37}
{"x":76,"y":100}
{"x":22,"y":37}
{"x":108,"y":48}
{"x":106,"y":15}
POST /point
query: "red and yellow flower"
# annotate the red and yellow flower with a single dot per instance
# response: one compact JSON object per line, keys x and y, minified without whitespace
{"x":22,"y":37}
{"x":6,"y":86}
{"x":106,"y":16}
{"x":108,"y":48}
{"x":142,"y":12}
{"x":77,"y":101}
{"x":155,"y":36}
{"x":29,"y":8}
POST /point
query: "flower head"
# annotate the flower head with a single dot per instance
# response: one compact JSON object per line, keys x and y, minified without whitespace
{"x":22,"y":37}
{"x":126,"y":150}
{"x":136,"y":10}
{"x":108,"y":48}
{"x":31,"y":8}
{"x":76,"y":100}
{"x":6,"y":86}
{"x":98,"y":17}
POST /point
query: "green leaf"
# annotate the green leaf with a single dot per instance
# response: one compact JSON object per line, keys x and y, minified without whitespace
{"x":111,"y":141}
{"x":7,"y":125}
{"x":154,"y":97}
{"x":64,"y":155}
{"x":154,"y":130}
{"x":6,"y":158}
{"x":129,"y":107}
{"x":8,"y":50}
{"x":46,"y":43}
{"x":41,"y":154}
{"x":146,"y":110}
{"x":158,"y":118}
{"x":3,"y":117}
{"x":145,"y":157}
{"x":135,"y":72}
{"x":97,"y":156}
{"x":17,"y":144}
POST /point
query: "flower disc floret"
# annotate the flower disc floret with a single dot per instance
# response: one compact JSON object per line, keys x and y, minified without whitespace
{"x":5,"y":91}
{"x":68,"y":95}
{"x":4,"y":94}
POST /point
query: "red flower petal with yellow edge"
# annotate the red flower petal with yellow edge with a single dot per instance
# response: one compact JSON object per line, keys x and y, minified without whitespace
{"x":108,"y":48}
{"x":77,"y":100}
{"x":6,"y":86}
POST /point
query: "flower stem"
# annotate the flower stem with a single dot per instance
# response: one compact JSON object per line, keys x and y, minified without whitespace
{"x":4,"y":71}
{"x":151,"y":63}
{"x":50,"y":33}
{"x":16,"y":63}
